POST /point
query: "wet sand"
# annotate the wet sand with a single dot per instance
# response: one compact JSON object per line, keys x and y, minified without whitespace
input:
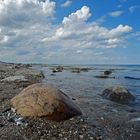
{"x":101,"y":119}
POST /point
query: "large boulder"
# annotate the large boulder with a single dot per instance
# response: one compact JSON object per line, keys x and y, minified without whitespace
{"x":41,"y":100}
{"x":118,"y":94}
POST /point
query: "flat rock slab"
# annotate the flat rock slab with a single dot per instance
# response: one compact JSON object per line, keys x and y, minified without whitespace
{"x":18,"y":78}
{"x":118,"y":94}
{"x":133,"y":78}
{"x":41,"y":100}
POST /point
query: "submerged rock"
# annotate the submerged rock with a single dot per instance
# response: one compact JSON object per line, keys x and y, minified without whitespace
{"x":118,"y":94}
{"x":101,"y":76}
{"x":76,"y":70}
{"x":40,"y":100}
{"x":133,"y":78}
{"x":84,"y":69}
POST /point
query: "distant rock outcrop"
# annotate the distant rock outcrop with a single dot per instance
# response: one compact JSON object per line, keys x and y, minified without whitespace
{"x":118,"y":94}
{"x":39,"y":100}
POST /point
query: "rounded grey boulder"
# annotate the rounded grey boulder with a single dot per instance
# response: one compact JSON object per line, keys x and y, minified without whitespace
{"x":118,"y":94}
{"x":41,"y":100}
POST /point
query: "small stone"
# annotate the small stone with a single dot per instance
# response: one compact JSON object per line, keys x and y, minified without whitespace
{"x":13,"y":110}
{"x":1,"y":125}
{"x":71,"y":119}
{"x":9,"y":114}
{"x":60,"y":135}
{"x":11,"y":120}
{"x":102,"y":118}
{"x":81,"y":136}
{"x":83,"y":129}
{"x":19,"y":123}
{"x":26,"y":124}
{"x":81,"y":120}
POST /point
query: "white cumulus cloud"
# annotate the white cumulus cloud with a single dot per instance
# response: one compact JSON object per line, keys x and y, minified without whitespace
{"x":133,"y":8}
{"x":116,"y":13}
{"x":66,"y":3}
{"x":28,"y":33}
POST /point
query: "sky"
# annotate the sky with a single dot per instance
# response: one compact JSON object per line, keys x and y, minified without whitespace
{"x":70,"y":31}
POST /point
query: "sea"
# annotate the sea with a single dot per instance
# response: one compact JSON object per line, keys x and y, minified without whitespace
{"x":85,"y":84}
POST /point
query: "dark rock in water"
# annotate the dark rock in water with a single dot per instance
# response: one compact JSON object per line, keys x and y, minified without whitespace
{"x":118,"y":94}
{"x":58,"y":69}
{"x":54,"y":71}
{"x":40,"y":100}
{"x":133,"y":78}
{"x":52,"y":74}
{"x":107,"y":72}
{"x":84,"y":69}
{"x":101,"y":76}
{"x":76,"y":70}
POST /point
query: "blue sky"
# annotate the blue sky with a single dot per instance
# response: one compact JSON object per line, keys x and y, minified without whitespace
{"x":70,"y":31}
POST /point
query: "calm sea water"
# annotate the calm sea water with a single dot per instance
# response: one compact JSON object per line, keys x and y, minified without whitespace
{"x":85,"y":85}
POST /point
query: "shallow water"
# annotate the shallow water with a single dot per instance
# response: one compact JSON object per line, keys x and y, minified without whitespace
{"x":86,"y":85}
{"x":115,"y":121}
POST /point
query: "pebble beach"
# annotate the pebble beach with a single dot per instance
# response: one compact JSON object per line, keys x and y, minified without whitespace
{"x":101,"y":119}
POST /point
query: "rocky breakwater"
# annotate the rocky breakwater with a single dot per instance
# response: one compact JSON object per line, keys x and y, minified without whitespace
{"x":41,"y":100}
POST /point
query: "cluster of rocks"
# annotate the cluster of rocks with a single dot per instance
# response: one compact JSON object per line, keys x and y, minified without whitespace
{"x":78,"y":70}
{"x":72,"y":69}
{"x":12,"y":117}
{"x":19,"y":73}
